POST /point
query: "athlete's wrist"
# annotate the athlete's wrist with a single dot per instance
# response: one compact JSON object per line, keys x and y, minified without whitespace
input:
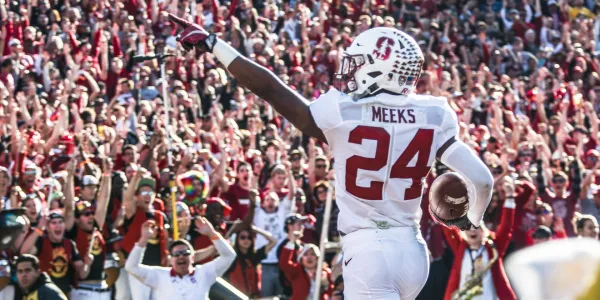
{"x":223,"y":51}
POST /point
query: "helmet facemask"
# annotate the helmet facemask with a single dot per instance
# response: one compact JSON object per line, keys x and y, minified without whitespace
{"x":344,"y":80}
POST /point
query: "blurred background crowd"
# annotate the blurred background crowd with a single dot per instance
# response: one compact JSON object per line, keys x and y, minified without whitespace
{"x":84,"y":133}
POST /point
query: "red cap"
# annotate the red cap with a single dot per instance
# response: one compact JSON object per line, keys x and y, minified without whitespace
{"x":592,"y":152}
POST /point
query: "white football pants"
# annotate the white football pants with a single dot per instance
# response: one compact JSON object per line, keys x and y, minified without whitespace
{"x":388,"y":264}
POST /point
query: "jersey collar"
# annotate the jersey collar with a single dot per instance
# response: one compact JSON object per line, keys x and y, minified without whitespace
{"x":190,"y":272}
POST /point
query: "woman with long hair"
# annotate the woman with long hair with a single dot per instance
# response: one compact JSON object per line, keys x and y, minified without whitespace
{"x":585,"y":226}
{"x":244,"y":273}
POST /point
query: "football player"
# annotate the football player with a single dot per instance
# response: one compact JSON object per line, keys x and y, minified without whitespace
{"x":384,"y":139}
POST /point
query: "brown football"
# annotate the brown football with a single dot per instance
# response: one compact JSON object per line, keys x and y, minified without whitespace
{"x":448,"y":197}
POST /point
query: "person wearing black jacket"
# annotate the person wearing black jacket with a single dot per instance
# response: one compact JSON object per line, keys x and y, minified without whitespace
{"x":33,"y":283}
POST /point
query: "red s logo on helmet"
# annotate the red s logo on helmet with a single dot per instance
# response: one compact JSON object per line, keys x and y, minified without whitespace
{"x":384,"y":48}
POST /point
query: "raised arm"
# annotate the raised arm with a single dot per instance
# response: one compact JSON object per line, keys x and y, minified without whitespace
{"x":226,"y":252}
{"x":249,"y":217}
{"x":103,"y":193}
{"x":128,"y":199}
{"x":587,"y":181}
{"x":291,"y":183}
{"x":272,"y":240}
{"x":28,"y":246}
{"x":204,"y":253}
{"x":258,"y":79}
{"x":146,"y":274}
{"x":70,"y":195}
{"x":287,"y":263}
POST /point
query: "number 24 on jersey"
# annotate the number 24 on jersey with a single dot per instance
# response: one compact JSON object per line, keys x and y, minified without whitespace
{"x":420,"y":145}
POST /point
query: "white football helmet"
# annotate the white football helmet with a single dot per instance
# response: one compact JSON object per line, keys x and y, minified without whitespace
{"x":381,"y":59}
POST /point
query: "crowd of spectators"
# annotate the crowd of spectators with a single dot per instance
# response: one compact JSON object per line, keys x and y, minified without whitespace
{"x":84,"y":134}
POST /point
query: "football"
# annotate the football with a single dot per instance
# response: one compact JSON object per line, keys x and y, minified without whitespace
{"x":448,"y":197}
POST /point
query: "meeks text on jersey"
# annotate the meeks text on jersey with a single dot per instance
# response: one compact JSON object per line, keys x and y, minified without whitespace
{"x":392,"y":115}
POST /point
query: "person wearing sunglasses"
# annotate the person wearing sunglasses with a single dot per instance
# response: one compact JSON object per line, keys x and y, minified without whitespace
{"x":30,"y":176}
{"x":318,"y":169}
{"x":545,"y":218}
{"x":84,"y":219}
{"x":244,"y":272}
{"x":138,"y":201}
{"x":182,"y":280}
{"x":563,"y":198}
{"x":297,"y":161}
{"x":85,"y":230}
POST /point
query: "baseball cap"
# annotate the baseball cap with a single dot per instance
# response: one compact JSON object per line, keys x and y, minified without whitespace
{"x":55,"y":195}
{"x":542,"y":232}
{"x":308,"y":247}
{"x":550,"y":2}
{"x":592,"y":152}
{"x":89,"y":180}
{"x":56,"y":214}
{"x":178,"y":84}
{"x":14,"y":42}
{"x":295,"y":152}
{"x":81,"y":206}
{"x":147,"y":181}
{"x":29,"y":165}
{"x":291,"y":219}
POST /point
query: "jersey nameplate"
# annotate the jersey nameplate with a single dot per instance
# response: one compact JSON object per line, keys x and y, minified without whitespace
{"x":395,"y":115}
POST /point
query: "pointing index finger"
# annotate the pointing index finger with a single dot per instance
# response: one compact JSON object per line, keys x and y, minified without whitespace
{"x":179,"y":21}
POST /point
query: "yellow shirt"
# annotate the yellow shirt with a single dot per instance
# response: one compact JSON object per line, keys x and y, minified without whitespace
{"x":575,"y":11}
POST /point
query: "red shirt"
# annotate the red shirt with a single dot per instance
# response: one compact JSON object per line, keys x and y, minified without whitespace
{"x":238,"y":198}
{"x":555,"y":236}
{"x":300,"y":279}
{"x":563,"y":208}
{"x":525,"y":219}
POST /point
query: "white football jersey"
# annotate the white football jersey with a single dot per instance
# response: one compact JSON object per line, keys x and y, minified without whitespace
{"x":384,"y":147}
